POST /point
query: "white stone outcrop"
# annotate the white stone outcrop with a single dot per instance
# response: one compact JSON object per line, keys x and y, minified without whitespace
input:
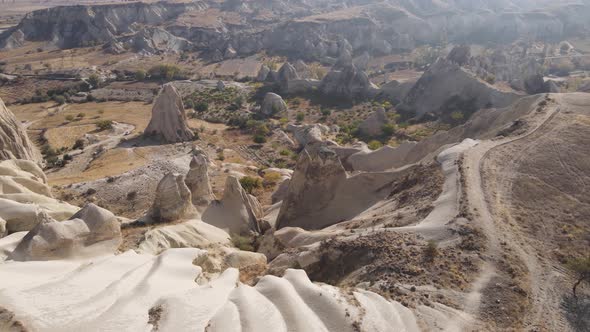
{"x":91,"y":231}
{"x":272,"y":104}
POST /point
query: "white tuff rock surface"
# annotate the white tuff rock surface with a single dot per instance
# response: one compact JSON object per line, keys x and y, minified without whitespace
{"x":89,"y":232}
{"x":25,"y":197}
{"x":136,"y":292}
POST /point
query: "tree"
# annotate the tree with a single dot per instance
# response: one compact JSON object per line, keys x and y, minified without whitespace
{"x":140,"y":75}
{"x":581,"y":269}
{"x":94,"y":80}
{"x":201,"y":107}
{"x":374,"y":145}
{"x":104,"y":124}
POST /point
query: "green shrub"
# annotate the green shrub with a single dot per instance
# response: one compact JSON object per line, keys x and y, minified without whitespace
{"x":80,"y":115}
{"x":431,"y":251}
{"x":581,"y":268}
{"x":259,"y":139}
{"x":79,"y":144}
{"x":94,"y":80}
{"x":104,"y":124}
{"x":201,"y":107}
{"x":250,"y":183}
{"x":59,"y":99}
{"x":140,"y":75}
{"x":242,"y":242}
{"x":69,"y":117}
{"x":388,"y":129}
{"x":374,"y":145}
{"x":300,"y":117}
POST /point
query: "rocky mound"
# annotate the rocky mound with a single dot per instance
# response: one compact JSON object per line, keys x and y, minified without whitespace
{"x":373,"y":125}
{"x":347,"y":82}
{"x":446,"y":83}
{"x":79,"y":26}
{"x":168,"y":120}
{"x":14,"y":142}
{"x":89,"y":232}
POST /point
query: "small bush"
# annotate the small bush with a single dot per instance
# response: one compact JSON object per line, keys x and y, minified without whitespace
{"x":374,"y":145}
{"x":140,"y":75}
{"x":300,"y":117}
{"x":69,"y":117}
{"x":201,"y":107}
{"x":80,"y":115}
{"x":388,"y":129}
{"x":59,"y":99}
{"x":104,"y":124}
{"x":431,"y":251}
{"x":79,"y":144}
{"x":242,"y":242}
{"x":259,"y":139}
{"x":272,"y":178}
{"x":250,"y":183}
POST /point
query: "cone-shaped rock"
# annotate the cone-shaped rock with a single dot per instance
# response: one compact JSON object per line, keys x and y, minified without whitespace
{"x":197,"y":180}
{"x":237,"y":213}
{"x":169,"y":118}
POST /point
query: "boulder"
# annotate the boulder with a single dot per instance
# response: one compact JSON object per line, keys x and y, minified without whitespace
{"x":168,"y":120}
{"x":197,"y":181}
{"x":272,"y":104}
{"x":173,"y":200}
{"x":237,"y":213}
{"x":373,"y":125}
{"x":91,"y":231}
{"x":230,"y":53}
{"x":220,"y":86}
{"x":362,"y":62}
{"x":307,"y":134}
{"x":14,"y":142}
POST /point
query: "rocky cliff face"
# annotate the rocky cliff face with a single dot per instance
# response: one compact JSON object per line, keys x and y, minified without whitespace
{"x":319,"y":30}
{"x":76,"y":26}
{"x":14,"y":142}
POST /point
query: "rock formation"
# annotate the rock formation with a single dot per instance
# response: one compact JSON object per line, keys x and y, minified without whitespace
{"x":168,"y":120}
{"x":460,"y":54}
{"x":307,"y":134}
{"x":14,"y":142}
{"x":89,"y":232}
{"x":25,"y":197}
{"x":445,"y":81}
{"x":347,"y":82}
{"x":197,"y":181}
{"x":373,"y":125}
{"x":237,"y":212}
{"x":272,"y":104}
{"x":173,"y":200}
{"x":535,"y":84}
{"x":321,"y":193}
{"x":263,"y":73}
{"x":286,"y":74}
